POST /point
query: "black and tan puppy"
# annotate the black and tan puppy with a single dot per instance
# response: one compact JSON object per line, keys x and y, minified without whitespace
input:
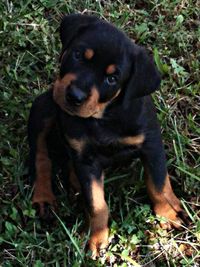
{"x":99,"y":112}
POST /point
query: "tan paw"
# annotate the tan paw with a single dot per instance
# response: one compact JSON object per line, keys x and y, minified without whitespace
{"x":44,"y":201}
{"x":98,"y":242}
{"x":174,"y":218}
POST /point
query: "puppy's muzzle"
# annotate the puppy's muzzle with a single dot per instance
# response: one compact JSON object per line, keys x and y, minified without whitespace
{"x":75,"y":96}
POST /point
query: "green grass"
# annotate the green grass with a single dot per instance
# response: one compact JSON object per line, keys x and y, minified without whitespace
{"x":29,"y":49}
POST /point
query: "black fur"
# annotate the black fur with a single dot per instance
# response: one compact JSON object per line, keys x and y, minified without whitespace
{"x":130,"y":113}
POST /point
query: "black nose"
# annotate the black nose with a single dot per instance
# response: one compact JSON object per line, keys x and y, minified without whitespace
{"x":75,"y":96}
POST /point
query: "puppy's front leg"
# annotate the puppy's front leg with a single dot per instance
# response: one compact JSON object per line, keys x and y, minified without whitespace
{"x":43,"y":194}
{"x":40,"y":123}
{"x":165,"y":203}
{"x":92,"y":185}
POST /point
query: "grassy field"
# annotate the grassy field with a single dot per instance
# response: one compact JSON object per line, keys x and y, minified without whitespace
{"x":29,"y":49}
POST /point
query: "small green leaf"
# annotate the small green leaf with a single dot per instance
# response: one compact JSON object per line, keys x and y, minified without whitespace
{"x":10,"y":228}
{"x":163,"y":68}
{"x":38,"y":263}
{"x":179,"y":20}
{"x":142,"y":28}
{"x":135,"y":240}
{"x":125,"y":253}
{"x":29,"y":212}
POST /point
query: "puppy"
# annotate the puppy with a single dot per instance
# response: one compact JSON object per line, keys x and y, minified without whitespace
{"x":99,"y":112}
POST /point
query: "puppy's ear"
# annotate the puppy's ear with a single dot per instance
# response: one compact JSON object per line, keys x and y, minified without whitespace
{"x":144,"y":78}
{"x":71,"y":26}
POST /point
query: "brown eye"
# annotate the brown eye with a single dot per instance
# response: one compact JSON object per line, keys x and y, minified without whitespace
{"x":77,"y":55}
{"x":111,"y":80}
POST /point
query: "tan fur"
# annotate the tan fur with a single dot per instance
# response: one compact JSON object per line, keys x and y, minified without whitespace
{"x":87,"y":109}
{"x":76,"y":144}
{"x":89,"y":53}
{"x":98,"y":241}
{"x":111,"y":69}
{"x":102,"y":106}
{"x":165,"y":203}
{"x":100,"y":110}
{"x":42,"y":188}
{"x":91,"y":106}
{"x":98,"y":200}
{"x":132,"y":140}
{"x":99,"y":218}
{"x":60,"y":87}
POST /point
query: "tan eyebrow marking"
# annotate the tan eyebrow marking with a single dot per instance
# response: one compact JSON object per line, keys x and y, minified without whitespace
{"x":89,"y":53}
{"x":111,"y":69}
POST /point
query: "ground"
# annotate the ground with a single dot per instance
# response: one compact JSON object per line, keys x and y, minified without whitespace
{"x":29,"y":46}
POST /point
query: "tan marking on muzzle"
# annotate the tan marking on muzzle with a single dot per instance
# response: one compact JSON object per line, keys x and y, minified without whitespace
{"x":90,"y":106}
{"x":102,"y":106}
{"x":60,"y":87}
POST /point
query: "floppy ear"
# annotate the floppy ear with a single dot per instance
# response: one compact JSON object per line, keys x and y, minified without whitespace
{"x":71,"y":26}
{"x":144,"y":78}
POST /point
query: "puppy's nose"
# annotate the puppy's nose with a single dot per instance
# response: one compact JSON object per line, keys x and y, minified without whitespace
{"x":75,"y":96}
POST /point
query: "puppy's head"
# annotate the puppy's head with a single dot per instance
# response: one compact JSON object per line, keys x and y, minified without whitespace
{"x":99,"y":63}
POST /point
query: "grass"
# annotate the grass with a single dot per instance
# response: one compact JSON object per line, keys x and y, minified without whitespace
{"x":29,"y":63}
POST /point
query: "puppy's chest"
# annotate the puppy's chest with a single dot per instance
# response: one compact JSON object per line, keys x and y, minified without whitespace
{"x":105,"y":138}
{"x":115,"y":135}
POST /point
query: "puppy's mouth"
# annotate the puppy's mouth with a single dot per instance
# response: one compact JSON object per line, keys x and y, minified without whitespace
{"x":75,"y":102}
{"x":90,"y":107}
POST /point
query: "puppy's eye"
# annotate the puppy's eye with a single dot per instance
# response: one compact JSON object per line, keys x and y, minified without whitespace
{"x":111,"y":80}
{"x":77,"y":55}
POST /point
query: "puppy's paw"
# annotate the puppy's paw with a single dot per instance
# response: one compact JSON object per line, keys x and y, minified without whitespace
{"x":175,"y":218}
{"x":44,"y":201}
{"x":98,"y":242}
